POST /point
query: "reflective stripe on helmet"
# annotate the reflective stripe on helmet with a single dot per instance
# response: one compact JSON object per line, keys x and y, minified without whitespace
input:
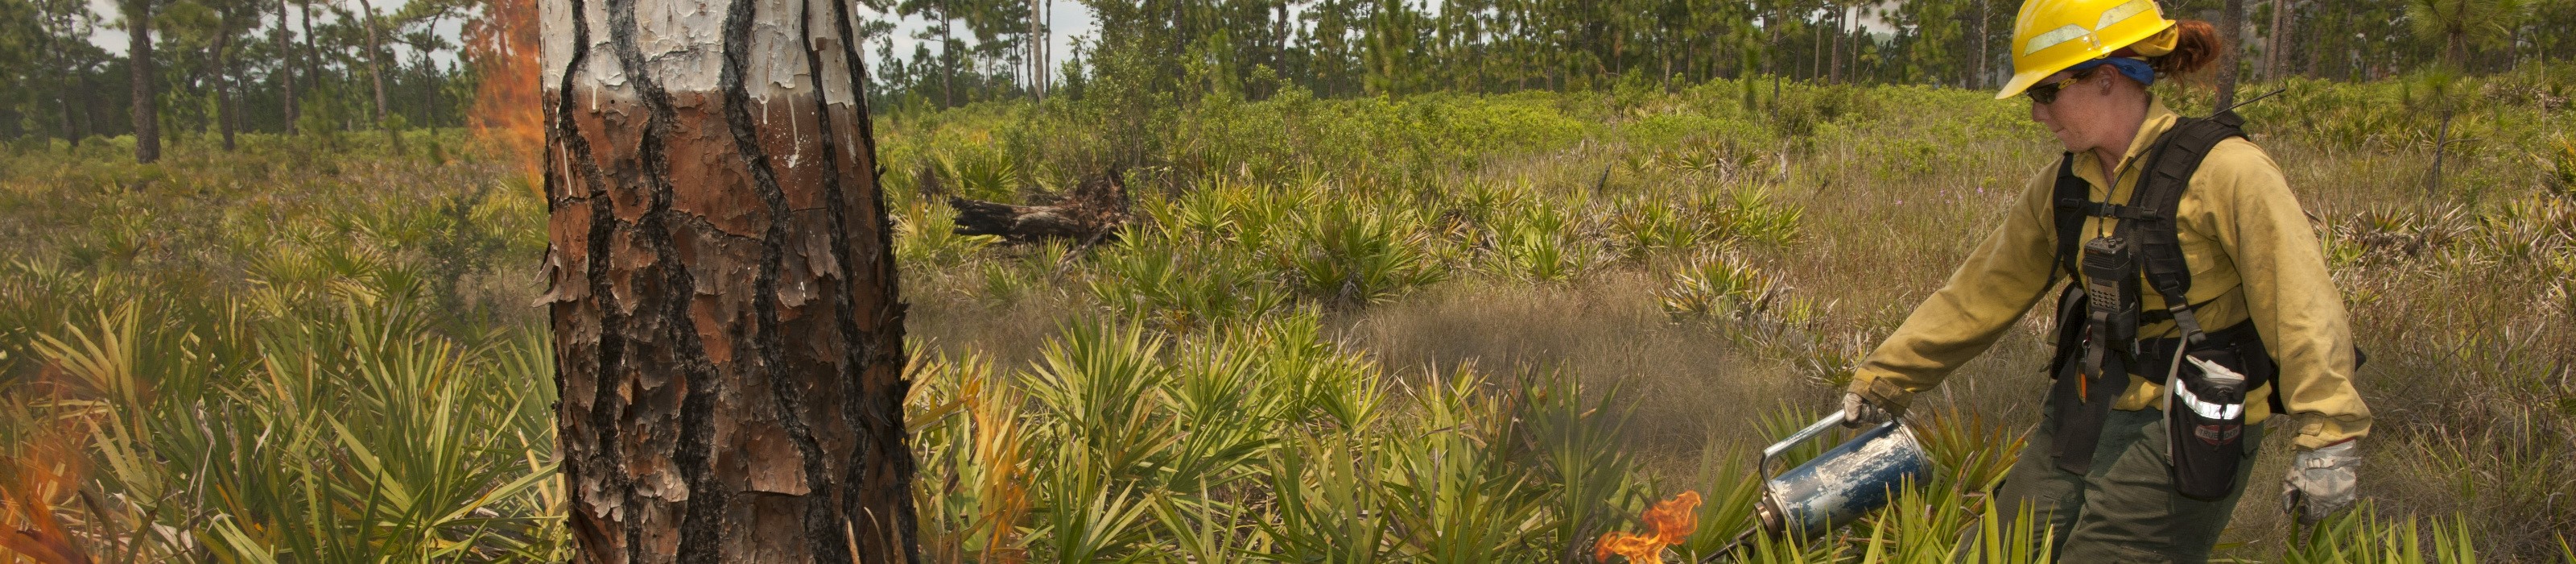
{"x":2125,"y":11}
{"x":2052,"y":38}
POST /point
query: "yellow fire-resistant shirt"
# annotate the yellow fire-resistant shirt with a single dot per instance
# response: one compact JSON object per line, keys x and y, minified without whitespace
{"x":2251,"y":254}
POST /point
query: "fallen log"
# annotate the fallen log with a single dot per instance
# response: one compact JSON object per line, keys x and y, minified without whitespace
{"x":1089,"y":214}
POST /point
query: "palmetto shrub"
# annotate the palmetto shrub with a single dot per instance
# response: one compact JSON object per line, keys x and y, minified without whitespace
{"x":1720,"y":284}
{"x":1346,"y":254}
{"x":1181,"y":284}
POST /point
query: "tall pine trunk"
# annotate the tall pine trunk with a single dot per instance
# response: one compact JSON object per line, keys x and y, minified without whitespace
{"x":428,"y":89}
{"x":375,"y":57}
{"x":2276,"y":49}
{"x":1984,"y":49}
{"x":312,"y":54}
{"x":226,"y":117}
{"x":286,"y":67}
{"x":147,"y":112}
{"x":728,"y":335}
{"x":1834,"y":62}
{"x":2231,"y":21}
{"x":376,"y":72}
{"x":1031,"y":60}
{"x":65,"y":82}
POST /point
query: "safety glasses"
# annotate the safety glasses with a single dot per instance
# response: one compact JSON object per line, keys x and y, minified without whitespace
{"x":2045,"y":94}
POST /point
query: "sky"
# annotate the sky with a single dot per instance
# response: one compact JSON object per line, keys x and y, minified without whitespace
{"x":1072,"y":20}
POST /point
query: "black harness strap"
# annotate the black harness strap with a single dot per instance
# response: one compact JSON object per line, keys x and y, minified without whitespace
{"x":2168,"y":173}
{"x":2070,"y":219}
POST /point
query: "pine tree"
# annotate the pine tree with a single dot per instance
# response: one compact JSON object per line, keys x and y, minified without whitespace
{"x":728,"y":336}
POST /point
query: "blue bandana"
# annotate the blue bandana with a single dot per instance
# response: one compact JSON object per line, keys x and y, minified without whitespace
{"x":2135,"y":69}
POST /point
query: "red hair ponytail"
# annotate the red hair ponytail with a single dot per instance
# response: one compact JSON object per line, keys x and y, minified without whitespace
{"x":2195,"y":47}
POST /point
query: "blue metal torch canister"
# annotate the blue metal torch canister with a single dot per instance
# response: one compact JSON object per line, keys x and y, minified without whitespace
{"x":1841,"y":485}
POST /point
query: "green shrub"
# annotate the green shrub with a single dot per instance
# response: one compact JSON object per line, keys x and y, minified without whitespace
{"x":1347,"y":255}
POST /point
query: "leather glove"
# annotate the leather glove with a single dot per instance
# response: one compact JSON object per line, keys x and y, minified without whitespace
{"x":2320,"y":482}
{"x":1858,"y":412}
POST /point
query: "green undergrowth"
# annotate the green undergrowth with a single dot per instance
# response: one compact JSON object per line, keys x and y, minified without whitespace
{"x":1441,"y":328}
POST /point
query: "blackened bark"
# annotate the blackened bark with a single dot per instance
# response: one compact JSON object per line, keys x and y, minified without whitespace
{"x":147,"y":113}
{"x":1092,"y":212}
{"x":728,"y":335}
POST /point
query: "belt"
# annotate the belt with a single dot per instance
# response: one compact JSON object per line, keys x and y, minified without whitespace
{"x":2156,"y":356}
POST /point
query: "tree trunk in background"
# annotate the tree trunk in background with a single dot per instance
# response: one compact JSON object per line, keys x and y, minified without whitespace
{"x":312,"y":55}
{"x":947,"y":64}
{"x":1834,"y":60}
{"x":1816,"y":54}
{"x":376,"y":72}
{"x":1024,"y":73}
{"x":429,"y":88}
{"x":147,"y":113}
{"x":2231,"y":23}
{"x":375,"y":58}
{"x":80,"y":89}
{"x":63,"y":85}
{"x":729,"y":342}
{"x":225,"y":116}
{"x":1977,"y":79}
{"x":2276,"y":48}
{"x":1771,"y":44}
{"x":286,"y":67}
{"x":2456,"y":50}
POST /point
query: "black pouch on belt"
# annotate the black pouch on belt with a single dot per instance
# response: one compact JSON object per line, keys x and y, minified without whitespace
{"x":2205,"y":421}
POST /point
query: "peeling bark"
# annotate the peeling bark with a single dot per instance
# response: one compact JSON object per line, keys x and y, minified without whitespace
{"x":728,"y":337}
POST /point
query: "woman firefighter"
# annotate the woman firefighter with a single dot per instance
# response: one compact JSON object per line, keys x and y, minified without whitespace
{"x":2199,"y":308}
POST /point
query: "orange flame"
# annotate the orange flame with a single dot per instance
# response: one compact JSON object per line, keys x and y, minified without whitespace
{"x":1673,"y":520}
{"x":44,"y":471}
{"x":508,"y":114}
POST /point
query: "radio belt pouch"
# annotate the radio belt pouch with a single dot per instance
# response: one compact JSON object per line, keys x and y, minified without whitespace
{"x":2205,"y":409}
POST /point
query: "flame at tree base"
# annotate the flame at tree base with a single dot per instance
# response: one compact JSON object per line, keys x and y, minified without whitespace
{"x":1673,"y":521}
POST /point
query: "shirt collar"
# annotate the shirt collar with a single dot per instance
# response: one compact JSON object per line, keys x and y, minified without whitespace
{"x":2159,"y":119}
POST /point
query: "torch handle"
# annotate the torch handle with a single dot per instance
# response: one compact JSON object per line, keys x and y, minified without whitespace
{"x":1803,"y":435}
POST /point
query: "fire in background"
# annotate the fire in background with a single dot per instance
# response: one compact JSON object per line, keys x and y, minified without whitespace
{"x":507,"y":113}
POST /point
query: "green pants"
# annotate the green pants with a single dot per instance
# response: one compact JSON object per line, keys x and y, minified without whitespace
{"x":2125,"y":509}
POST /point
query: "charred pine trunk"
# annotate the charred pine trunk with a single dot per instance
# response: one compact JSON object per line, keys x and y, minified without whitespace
{"x":728,"y":338}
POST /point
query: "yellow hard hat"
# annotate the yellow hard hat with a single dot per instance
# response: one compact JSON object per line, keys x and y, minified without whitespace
{"x":2051,"y":35}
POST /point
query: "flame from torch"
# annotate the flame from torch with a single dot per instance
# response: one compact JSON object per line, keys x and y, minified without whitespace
{"x":1673,"y":520}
